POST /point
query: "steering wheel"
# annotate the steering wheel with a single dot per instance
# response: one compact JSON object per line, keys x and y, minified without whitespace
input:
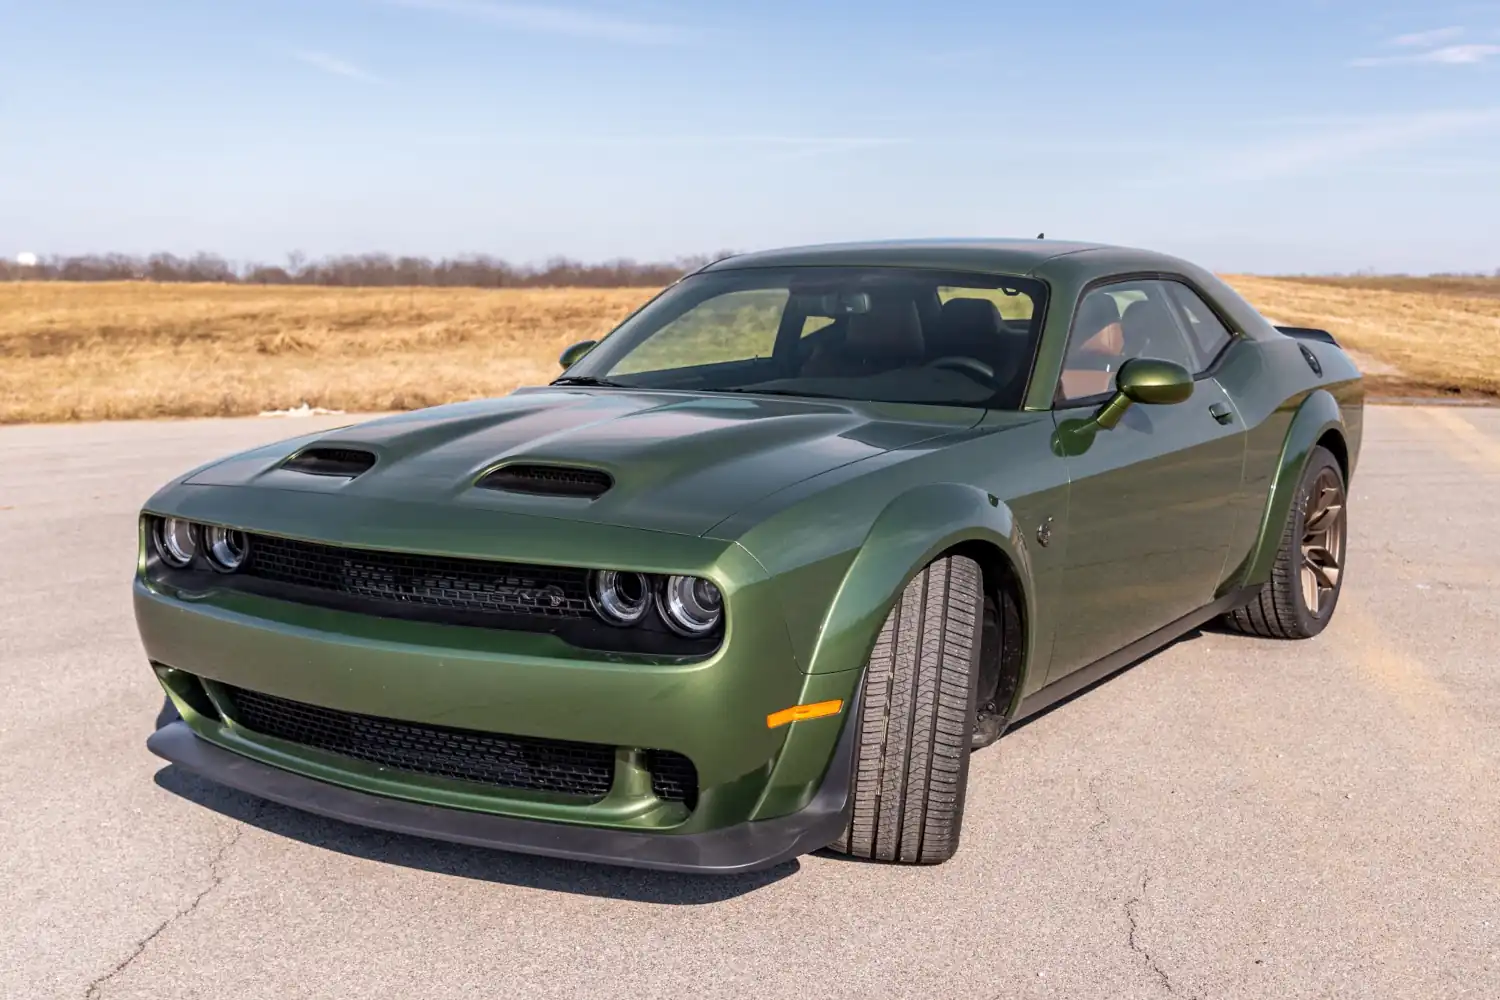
{"x":970,"y":366}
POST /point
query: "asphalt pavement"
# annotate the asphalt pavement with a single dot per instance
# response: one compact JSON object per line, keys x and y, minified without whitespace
{"x":1231,"y":817}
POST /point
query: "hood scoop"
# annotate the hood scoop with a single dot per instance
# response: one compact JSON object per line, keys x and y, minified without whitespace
{"x":344,"y":463}
{"x":548,"y":481}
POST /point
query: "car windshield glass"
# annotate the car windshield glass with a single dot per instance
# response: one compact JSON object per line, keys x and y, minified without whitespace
{"x":908,"y":335}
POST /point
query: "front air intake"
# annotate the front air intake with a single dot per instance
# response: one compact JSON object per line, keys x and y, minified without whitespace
{"x":341,"y":462}
{"x":673,"y":777}
{"x":548,"y":481}
{"x":584,"y":770}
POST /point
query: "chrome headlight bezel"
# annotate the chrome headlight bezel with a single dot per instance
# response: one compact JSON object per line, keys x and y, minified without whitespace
{"x":690,"y":605}
{"x":176,"y":541}
{"x":619,"y":597}
{"x":227,"y":548}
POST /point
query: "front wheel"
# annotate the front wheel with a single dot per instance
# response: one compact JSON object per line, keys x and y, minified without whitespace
{"x":916,"y":720}
{"x":1299,"y":600}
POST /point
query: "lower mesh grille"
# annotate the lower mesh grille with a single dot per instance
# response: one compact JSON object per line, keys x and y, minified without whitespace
{"x":673,"y":777}
{"x":582,"y":769}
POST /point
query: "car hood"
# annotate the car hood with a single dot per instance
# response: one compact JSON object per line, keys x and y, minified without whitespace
{"x":680,"y":462}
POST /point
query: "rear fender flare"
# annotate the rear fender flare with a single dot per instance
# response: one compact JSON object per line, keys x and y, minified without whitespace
{"x":1315,"y":416}
{"x":910,"y":532}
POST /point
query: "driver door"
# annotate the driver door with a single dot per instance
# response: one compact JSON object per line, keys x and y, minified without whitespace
{"x":1150,"y":502}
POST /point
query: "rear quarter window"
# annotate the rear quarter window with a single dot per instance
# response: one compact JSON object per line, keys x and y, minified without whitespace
{"x":1207,"y":333}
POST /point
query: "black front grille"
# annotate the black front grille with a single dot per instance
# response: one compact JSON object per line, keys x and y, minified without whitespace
{"x":673,"y":777}
{"x":472,"y":586}
{"x":548,"y":480}
{"x":582,"y":769}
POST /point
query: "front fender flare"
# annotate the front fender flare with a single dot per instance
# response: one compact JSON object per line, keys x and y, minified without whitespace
{"x":1315,"y":416}
{"x":911,"y":531}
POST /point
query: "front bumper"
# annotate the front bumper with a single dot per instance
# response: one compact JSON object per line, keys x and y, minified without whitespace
{"x":711,"y":709}
{"x":743,"y":847}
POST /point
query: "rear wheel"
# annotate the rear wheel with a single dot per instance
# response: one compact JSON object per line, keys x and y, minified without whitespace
{"x":917,"y":719}
{"x":1299,"y":600}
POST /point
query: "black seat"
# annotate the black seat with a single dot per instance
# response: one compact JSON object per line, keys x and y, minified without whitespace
{"x":974,"y":328}
{"x":1148,"y":332}
{"x":1097,"y":311}
{"x":886,"y":338}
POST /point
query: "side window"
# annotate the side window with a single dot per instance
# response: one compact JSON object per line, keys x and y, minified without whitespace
{"x":1114,"y":323}
{"x":735,"y":326}
{"x":1208,"y":335}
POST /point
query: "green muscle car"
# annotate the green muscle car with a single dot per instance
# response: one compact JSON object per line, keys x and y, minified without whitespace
{"x":755,"y":575}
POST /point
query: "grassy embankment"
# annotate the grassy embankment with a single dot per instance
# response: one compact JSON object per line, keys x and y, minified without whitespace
{"x":93,"y":351}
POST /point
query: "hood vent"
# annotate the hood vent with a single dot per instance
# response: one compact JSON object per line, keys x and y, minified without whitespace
{"x":548,"y":481}
{"x":343,"y":462}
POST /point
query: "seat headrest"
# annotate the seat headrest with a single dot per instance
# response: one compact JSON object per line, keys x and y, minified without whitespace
{"x":972,"y":317}
{"x":1097,"y":311}
{"x":890,"y":332}
{"x":1143,"y":320}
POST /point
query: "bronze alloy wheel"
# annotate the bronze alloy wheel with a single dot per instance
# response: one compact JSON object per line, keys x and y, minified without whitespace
{"x":1322,"y":542}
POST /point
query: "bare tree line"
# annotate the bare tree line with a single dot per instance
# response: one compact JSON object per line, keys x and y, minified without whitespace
{"x":382,"y":270}
{"x":366,"y":270}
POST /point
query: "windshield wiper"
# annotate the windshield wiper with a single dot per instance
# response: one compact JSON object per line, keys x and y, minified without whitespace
{"x":589,"y":380}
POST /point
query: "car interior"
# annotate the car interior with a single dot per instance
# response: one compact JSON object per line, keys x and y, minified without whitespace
{"x":914,"y":329}
{"x":910,"y":338}
{"x":1116,"y":324}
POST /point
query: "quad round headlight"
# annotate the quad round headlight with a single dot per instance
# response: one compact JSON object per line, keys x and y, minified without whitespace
{"x":691,"y":605}
{"x":176,"y":541}
{"x":227,"y":548}
{"x":619,"y":598}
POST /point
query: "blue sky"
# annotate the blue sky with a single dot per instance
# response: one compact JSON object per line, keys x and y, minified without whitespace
{"x":1273,"y":136}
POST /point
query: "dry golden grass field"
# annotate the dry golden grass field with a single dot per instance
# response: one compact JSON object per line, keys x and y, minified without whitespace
{"x":94,"y":351}
{"x":1440,"y":335}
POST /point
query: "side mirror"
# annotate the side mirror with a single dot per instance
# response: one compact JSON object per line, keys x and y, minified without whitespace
{"x":572,"y":355}
{"x":1145,"y":380}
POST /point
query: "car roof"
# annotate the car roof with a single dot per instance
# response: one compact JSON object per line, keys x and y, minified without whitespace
{"x":985,"y":256}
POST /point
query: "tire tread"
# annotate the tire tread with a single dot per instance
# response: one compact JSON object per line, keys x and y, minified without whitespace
{"x":916,"y":720}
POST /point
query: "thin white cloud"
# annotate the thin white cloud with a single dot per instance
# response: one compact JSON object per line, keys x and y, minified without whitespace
{"x":1448,"y":55}
{"x":332,"y":65}
{"x":552,"y":20}
{"x":1427,"y":39}
{"x":792,"y":144}
{"x":1359,"y":140}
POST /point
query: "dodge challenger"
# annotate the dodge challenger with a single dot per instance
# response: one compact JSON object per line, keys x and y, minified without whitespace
{"x":756,"y":574}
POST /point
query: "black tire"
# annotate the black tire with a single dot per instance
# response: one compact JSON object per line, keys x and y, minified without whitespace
{"x":1000,"y":653}
{"x":1281,"y":610}
{"x":911,"y":764}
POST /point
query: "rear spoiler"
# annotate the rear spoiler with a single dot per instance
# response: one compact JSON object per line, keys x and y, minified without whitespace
{"x":1308,"y":333}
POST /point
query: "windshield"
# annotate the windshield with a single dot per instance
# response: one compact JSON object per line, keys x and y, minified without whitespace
{"x":906,"y":335}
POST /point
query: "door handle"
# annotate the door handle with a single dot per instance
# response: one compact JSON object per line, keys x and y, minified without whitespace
{"x":1221,"y":412}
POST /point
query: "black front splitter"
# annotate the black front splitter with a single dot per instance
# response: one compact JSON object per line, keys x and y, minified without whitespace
{"x":746,"y":847}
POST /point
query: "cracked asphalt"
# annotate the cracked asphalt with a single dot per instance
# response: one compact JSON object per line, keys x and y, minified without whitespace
{"x":1231,"y":817}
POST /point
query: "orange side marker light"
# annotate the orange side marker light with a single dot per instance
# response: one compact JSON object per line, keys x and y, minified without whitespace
{"x":799,"y":713}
